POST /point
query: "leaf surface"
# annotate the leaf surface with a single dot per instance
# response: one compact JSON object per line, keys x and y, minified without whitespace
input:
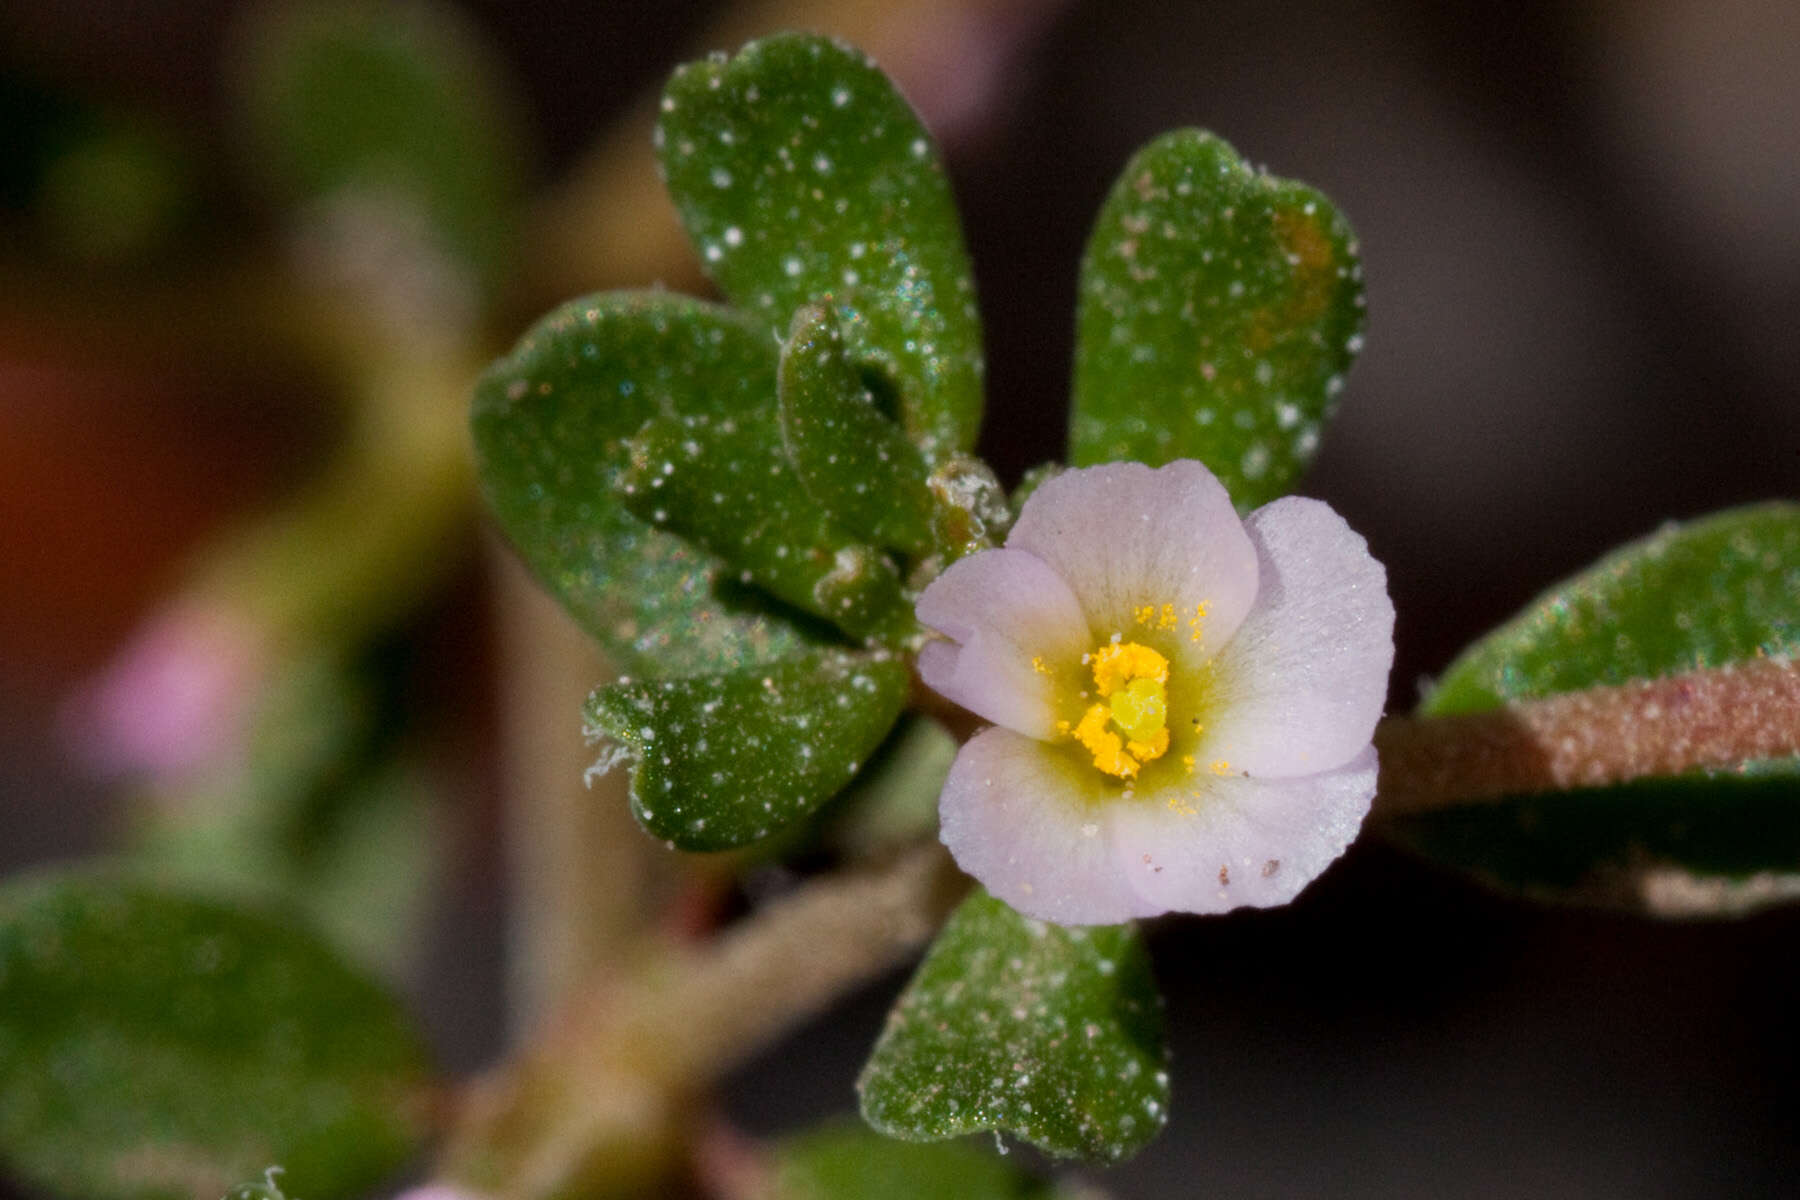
{"x":1050,"y":1033}
{"x":801,"y":174}
{"x":1220,"y":309}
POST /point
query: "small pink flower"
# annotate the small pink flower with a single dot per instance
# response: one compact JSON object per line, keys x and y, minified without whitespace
{"x":1183,"y":700}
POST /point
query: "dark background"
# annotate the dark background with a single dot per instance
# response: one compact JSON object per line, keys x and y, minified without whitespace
{"x":1582,"y":245}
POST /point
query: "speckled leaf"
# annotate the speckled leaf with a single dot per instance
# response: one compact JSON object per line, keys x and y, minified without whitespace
{"x":395,"y":112}
{"x":1050,"y":1033}
{"x":1713,"y":591}
{"x":551,"y":421}
{"x":1710,"y":592}
{"x":725,"y":760}
{"x":156,"y":1045}
{"x":853,"y":461}
{"x":844,"y":1161}
{"x":718,"y":483}
{"x":801,"y":173}
{"x":1219,"y":310}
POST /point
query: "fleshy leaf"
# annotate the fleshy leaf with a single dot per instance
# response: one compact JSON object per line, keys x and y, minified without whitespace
{"x":852,"y":460}
{"x":801,"y":174}
{"x":1711,"y":592}
{"x":156,"y":1045}
{"x":721,"y":761}
{"x":1048,"y":1032}
{"x":1219,"y":310}
{"x":845,"y":1161}
{"x":719,"y":484}
{"x":551,"y":423}
{"x":398,"y":110}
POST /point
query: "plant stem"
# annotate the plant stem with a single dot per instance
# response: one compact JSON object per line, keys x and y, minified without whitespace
{"x":1718,"y":717}
{"x":598,"y":1105}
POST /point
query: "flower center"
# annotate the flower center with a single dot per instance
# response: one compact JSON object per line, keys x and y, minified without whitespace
{"x":1131,"y":727}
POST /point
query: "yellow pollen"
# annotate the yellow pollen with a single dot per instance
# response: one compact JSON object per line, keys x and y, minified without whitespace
{"x":1037,"y":664}
{"x":1221,"y":767}
{"x":1131,"y":729}
{"x":1197,"y":623}
{"x":1119,"y":663}
{"x":1152,"y":617}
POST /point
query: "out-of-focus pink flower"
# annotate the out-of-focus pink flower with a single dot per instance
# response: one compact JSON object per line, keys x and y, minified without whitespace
{"x":1183,"y":700}
{"x":174,"y":699}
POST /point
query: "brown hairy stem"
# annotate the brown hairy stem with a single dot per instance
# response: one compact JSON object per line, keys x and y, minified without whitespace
{"x":1716,"y":717}
{"x":602,"y":1099}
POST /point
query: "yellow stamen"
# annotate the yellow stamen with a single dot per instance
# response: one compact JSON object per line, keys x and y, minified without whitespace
{"x":1131,"y":728}
{"x":1118,"y":663}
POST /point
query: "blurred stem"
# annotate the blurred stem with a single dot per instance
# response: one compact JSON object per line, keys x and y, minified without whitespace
{"x":1718,"y":718}
{"x":583,"y":879}
{"x":600,"y":1105}
{"x":364,"y":540}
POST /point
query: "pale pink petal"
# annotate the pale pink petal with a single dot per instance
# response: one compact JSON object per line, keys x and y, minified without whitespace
{"x":1124,"y":536}
{"x":1001,"y":609}
{"x":1300,"y":686}
{"x":1230,"y":842}
{"x":1029,"y":822}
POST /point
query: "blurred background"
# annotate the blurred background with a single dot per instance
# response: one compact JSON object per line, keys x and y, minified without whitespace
{"x":1582,"y":248}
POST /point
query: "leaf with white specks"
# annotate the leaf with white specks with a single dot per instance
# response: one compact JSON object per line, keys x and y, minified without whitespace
{"x":852,"y":460}
{"x":725,"y":760}
{"x":1219,"y":310}
{"x":1711,"y":592}
{"x":552,"y":422}
{"x":156,"y":1045}
{"x":719,"y":483}
{"x":1050,"y":1033}
{"x":802,"y":174}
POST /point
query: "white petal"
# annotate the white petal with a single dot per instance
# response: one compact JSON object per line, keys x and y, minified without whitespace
{"x":1001,"y":608}
{"x":1240,"y":841}
{"x":1123,"y":536}
{"x":1029,"y":822}
{"x":1302,"y":684}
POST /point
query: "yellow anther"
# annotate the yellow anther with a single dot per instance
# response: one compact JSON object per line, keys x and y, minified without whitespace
{"x":1131,"y":728}
{"x":1117,"y":664}
{"x":1152,"y":747}
{"x":1107,"y":747}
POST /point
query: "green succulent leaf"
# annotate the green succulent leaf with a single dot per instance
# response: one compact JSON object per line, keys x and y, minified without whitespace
{"x":1713,"y":591}
{"x":157,"y":1045}
{"x":722,"y":761}
{"x":396,"y":113}
{"x":801,"y":174}
{"x":1707,"y":593}
{"x":552,"y":423}
{"x":853,"y":461}
{"x":717,"y":484}
{"x":845,"y":1161}
{"x":1053,"y":1034}
{"x":1219,"y":310}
